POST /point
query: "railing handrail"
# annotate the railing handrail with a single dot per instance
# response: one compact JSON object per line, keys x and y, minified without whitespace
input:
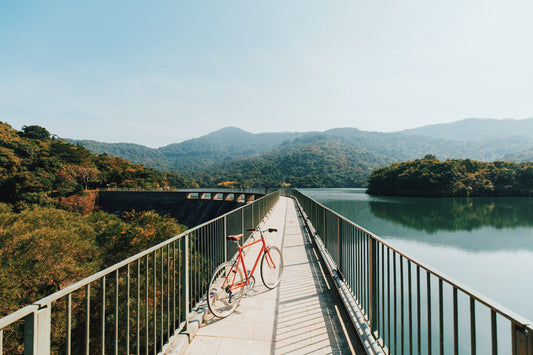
{"x":504,"y":311}
{"x":18,"y":315}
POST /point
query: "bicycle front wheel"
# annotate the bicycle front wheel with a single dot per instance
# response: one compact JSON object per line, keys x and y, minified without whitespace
{"x":271,"y":267}
{"x":221,"y":298}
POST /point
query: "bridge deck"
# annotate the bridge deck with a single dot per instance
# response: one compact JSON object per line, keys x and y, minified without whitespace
{"x":303,"y":315}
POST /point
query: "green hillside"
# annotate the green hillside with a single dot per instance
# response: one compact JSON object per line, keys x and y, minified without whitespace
{"x":195,"y":154}
{"x":226,"y":144}
{"x":135,"y":153}
{"x":38,"y":168}
{"x":314,"y":160}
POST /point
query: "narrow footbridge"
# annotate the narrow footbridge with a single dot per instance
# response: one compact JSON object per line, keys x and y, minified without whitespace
{"x":343,"y":291}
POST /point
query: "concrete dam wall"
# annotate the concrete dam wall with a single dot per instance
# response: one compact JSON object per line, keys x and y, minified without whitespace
{"x":190,"y":212}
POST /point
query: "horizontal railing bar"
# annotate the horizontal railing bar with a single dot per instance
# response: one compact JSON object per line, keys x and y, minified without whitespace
{"x":18,"y":315}
{"x":505,"y":312}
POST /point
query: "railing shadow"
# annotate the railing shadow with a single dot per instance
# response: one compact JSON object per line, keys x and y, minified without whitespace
{"x":307,"y":317}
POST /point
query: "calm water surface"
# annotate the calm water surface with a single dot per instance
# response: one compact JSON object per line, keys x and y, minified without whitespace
{"x":484,"y":243}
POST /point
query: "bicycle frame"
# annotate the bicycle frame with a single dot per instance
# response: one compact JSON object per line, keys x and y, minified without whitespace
{"x":240,"y":260}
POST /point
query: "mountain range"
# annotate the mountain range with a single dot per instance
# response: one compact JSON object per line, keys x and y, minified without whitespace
{"x":336,"y":157}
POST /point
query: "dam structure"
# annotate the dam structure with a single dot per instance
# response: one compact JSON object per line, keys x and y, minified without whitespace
{"x":344,"y":290}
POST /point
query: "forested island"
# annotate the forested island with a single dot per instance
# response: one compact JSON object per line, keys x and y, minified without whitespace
{"x":452,"y":178}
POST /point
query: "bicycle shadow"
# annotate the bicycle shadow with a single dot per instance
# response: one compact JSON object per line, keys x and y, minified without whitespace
{"x":259,"y":290}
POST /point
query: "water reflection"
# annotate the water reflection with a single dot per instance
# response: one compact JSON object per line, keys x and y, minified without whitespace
{"x":470,"y":224}
{"x":485,"y":243}
{"x":455,"y":214}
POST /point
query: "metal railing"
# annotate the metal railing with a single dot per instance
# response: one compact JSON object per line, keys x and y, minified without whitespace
{"x":411,"y":307}
{"x":135,"y":306}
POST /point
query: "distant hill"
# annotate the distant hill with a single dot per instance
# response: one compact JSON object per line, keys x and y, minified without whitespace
{"x":476,"y":129}
{"x":314,"y":160}
{"x":223,"y":145}
{"x":133,"y":152}
{"x":520,"y":157}
{"x":355,"y":150}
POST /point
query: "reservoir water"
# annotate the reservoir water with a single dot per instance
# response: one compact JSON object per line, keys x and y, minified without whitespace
{"x":484,"y":243}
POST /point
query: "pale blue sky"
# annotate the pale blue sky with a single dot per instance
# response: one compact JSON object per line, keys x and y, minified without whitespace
{"x":160,"y":72}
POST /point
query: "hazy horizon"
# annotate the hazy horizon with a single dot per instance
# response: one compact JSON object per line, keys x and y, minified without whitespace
{"x":210,"y":132}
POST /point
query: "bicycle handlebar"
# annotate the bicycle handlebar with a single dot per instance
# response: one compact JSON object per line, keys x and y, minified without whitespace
{"x":270,"y":230}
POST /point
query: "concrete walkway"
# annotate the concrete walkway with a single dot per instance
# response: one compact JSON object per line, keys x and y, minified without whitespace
{"x":302,"y":316}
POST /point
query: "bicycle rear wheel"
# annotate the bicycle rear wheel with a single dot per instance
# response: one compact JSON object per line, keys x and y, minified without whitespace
{"x":221,"y":300}
{"x":271,"y":267}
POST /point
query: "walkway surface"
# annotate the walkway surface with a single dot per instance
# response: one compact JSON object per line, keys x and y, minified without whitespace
{"x":303,"y":315}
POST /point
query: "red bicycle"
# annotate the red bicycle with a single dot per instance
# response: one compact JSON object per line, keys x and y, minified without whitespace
{"x":231,"y":278}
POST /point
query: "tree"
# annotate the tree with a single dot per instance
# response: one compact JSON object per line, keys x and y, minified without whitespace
{"x":83,"y":175}
{"x":35,"y":132}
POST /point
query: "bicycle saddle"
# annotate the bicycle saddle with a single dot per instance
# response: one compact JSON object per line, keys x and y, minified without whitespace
{"x":235,"y":237}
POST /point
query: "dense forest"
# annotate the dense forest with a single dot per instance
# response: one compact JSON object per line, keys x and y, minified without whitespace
{"x":310,"y":161}
{"x":39,"y":168}
{"x":50,"y":233}
{"x":453,"y":177}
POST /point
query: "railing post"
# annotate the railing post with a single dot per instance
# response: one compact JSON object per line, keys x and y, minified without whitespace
{"x":339,"y":242}
{"x":242,"y":221}
{"x":225,"y":240}
{"x":37,"y":332}
{"x":185,"y":282}
{"x":373,"y":283}
{"x":253,"y":215}
{"x":522,"y":340}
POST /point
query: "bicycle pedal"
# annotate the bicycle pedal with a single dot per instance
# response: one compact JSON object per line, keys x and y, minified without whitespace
{"x":250,"y":287}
